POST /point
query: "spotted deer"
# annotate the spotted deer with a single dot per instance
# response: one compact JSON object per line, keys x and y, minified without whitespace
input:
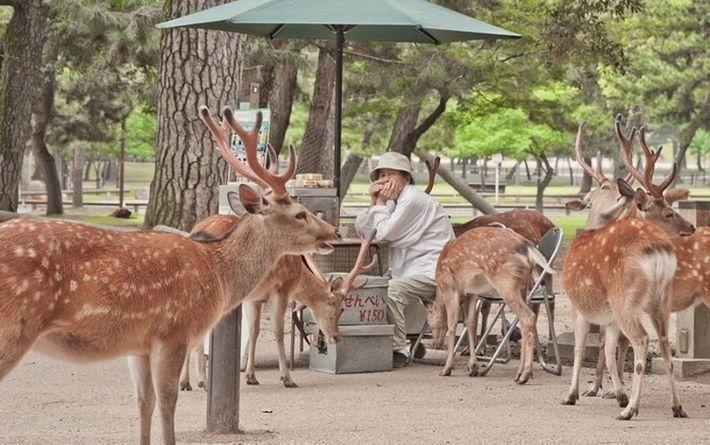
{"x":294,"y":276}
{"x":616,"y":274}
{"x":83,"y":293}
{"x":481,"y":261}
{"x":691,"y":282}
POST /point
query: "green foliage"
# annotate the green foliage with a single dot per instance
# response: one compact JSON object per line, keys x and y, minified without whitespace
{"x":701,"y":143}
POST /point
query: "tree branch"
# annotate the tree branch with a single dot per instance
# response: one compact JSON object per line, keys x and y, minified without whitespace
{"x":431,"y":119}
{"x":12,"y":3}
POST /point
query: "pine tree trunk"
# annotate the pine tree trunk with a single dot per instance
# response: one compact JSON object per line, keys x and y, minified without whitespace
{"x":19,"y":81}
{"x":543,"y":180}
{"x":281,"y":100}
{"x":586,"y":179}
{"x":347,"y":173}
{"x":43,"y":112}
{"x":315,"y":136}
{"x":77,"y":176}
{"x":197,"y":67}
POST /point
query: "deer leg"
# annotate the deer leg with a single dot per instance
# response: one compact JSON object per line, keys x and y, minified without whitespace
{"x":201,"y":366}
{"x":660,"y":323}
{"x":185,"y":374}
{"x":634,"y":330}
{"x":254,"y":326}
{"x":247,"y":318}
{"x":623,"y":349}
{"x":471,"y":322}
{"x":14,"y":344}
{"x":593,"y":389}
{"x":451,"y":300}
{"x":485,"y":311}
{"x":610,"y":345}
{"x":278,"y":326}
{"x":139,"y":367}
{"x":166,"y":360}
{"x":526,"y":319}
{"x":581,"y":329}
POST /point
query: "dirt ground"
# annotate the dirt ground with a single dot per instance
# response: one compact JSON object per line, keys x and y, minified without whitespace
{"x":45,"y":401}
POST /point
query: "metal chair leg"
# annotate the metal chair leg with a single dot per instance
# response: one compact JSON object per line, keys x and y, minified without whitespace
{"x":416,"y":343}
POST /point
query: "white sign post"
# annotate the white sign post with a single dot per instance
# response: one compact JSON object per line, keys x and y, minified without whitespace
{"x":498,"y":159}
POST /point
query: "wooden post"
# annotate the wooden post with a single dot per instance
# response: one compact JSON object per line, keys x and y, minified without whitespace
{"x":223,"y":379}
{"x":122,"y":162}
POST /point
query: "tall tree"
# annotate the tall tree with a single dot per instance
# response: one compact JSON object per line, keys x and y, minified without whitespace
{"x":315,"y":137}
{"x":19,"y":81}
{"x":197,"y":67}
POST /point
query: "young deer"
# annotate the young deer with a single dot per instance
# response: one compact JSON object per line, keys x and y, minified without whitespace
{"x":691,"y":282}
{"x":480,"y":261}
{"x":616,"y":274}
{"x":82,"y":293}
{"x":294,"y":276}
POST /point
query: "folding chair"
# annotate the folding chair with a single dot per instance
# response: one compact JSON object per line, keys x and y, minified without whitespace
{"x":549,"y":246}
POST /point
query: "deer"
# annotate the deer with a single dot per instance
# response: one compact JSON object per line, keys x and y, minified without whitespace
{"x":691,"y":283}
{"x":484,"y":260}
{"x":294,"y":276}
{"x":618,"y":272}
{"x":84,"y":294}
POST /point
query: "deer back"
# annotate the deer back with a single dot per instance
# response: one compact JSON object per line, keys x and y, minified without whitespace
{"x":609,"y":260}
{"x":531,"y":224}
{"x":691,"y":283}
{"x":81,"y":282}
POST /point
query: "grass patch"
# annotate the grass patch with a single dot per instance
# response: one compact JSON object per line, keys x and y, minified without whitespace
{"x":569,"y":224}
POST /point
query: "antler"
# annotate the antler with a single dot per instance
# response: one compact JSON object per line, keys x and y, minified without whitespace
{"x":650,"y":167}
{"x":650,"y":159}
{"x":348,"y":285}
{"x":221,"y":137}
{"x":432,"y":173}
{"x":273,"y":159}
{"x":598,"y":175}
{"x":626,"y":150}
{"x":250,"y":138}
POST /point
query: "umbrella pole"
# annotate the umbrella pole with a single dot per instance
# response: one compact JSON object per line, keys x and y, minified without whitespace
{"x":340,"y":41}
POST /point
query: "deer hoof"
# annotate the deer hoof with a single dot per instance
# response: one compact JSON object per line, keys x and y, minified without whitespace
{"x":445,"y":372}
{"x":473,"y":370}
{"x":678,"y":412}
{"x":251,"y":380}
{"x":185,"y":386}
{"x":590,"y":392}
{"x":201,"y":384}
{"x":570,"y":400}
{"x":288,"y":383}
{"x":524,"y":377}
{"x":623,"y":400}
{"x":628,"y":413}
{"x":609,"y":395}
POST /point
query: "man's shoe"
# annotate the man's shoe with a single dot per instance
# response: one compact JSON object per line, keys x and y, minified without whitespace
{"x":399,"y":360}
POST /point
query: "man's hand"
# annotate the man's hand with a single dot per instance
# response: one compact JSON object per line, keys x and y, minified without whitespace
{"x":391,"y":190}
{"x":375,"y":189}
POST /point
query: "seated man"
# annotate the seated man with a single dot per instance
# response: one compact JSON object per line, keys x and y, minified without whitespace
{"x":416,"y":228}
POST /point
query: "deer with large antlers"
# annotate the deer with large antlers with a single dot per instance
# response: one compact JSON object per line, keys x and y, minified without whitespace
{"x":691,"y":282}
{"x":82,"y":293}
{"x":616,"y":274}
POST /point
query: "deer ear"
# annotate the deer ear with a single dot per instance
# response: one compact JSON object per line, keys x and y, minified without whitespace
{"x":625,"y":189}
{"x":576,"y":205}
{"x":642,"y":200}
{"x":236,"y":205}
{"x":251,"y":199}
{"x":336,"y":284}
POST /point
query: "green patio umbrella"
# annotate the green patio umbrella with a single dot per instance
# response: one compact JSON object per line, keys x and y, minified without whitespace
{"x":415,"y":21}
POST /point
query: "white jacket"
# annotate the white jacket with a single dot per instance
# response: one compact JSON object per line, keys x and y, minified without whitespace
{"x":416,"y":228}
